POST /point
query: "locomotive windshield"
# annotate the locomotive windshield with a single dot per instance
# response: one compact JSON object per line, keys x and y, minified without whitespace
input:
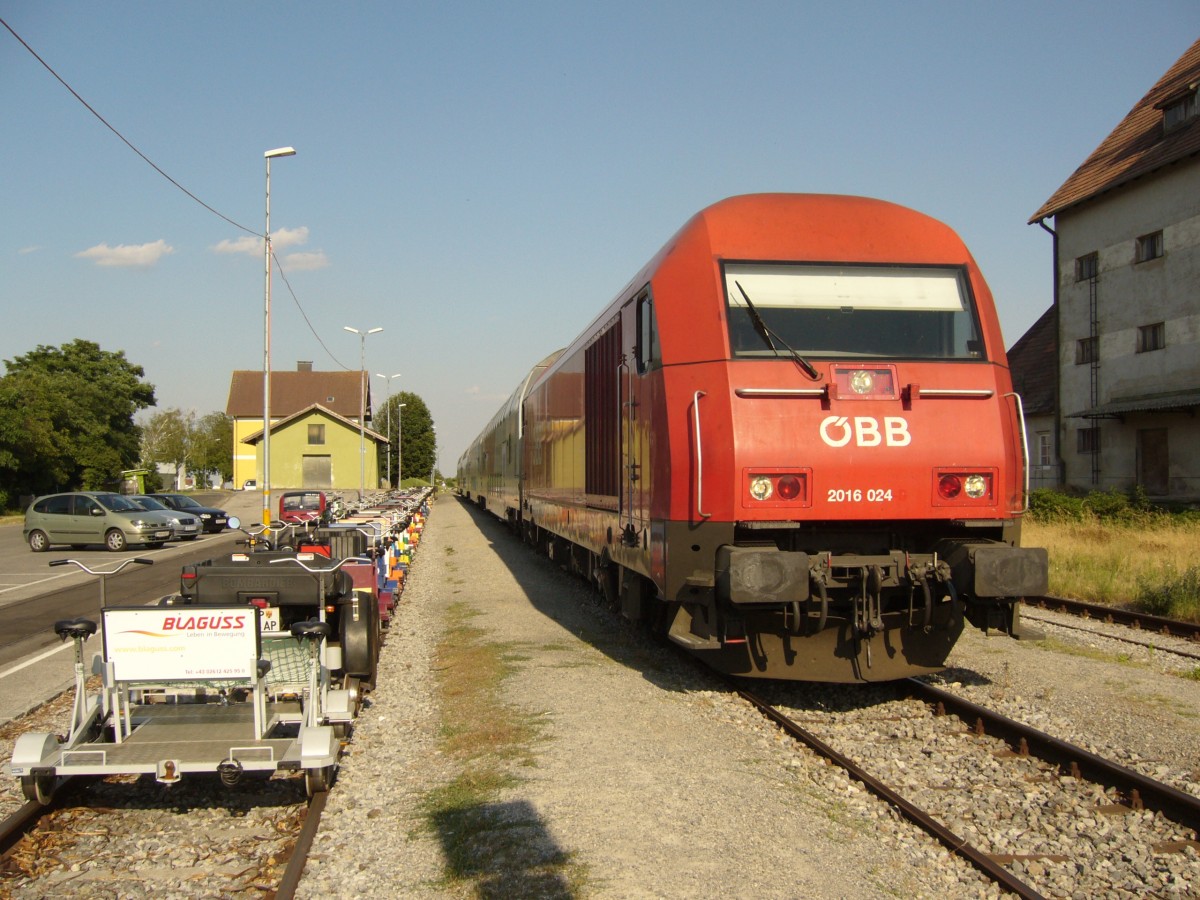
{"x":881,"y":312}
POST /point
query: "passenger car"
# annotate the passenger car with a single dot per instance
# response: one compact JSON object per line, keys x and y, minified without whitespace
{"x":250,"y":485}
{"x":188,"y":526}
{"x":80,"y":518}
{"x":214,"y":520}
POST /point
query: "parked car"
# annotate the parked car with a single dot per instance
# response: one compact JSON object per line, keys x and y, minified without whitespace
{"x":250,"y":485}
{"x":302,"y":506}
{"x":80,"y":518}
{"x":188,"y":526}
{"x":214,"y":519}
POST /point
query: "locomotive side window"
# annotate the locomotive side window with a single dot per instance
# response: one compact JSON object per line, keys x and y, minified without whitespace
{"x":648,"y":354}
{"x":881,"y":312}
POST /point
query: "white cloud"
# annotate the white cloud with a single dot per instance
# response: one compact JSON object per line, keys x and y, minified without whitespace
{"x":306,"y":262}
{"x":127,"y":255}
{"x":252,"y":245}
{"x":289,"y":237}
{"x":27,"y":250}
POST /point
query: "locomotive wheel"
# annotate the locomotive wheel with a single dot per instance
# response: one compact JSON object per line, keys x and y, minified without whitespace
{"x":608,"y":580}
{"x":38,"y":788}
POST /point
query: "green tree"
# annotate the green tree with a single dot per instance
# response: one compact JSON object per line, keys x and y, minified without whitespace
{"x":412,"y":435}
{"x":67,"y":418}
{"x":201,"y":446}
{"x":214,"y":445}
{"x":167,"y":437}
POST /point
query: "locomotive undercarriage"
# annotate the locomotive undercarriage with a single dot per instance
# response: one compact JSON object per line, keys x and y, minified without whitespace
{"x":774,"y":608}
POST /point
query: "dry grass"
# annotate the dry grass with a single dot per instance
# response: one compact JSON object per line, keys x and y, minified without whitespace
{"x":492,"y":847}
{"x":1152,"y":565}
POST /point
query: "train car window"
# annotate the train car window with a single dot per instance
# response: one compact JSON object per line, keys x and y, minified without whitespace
{"x":881,"y":312}
{"x":648,"y":353}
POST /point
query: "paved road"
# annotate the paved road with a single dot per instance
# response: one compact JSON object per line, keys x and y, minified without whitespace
{"x":34,"y":665}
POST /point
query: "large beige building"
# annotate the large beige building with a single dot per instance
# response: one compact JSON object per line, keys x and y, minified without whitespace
{"x":1126,"y":228}
{"x":315,"y":433}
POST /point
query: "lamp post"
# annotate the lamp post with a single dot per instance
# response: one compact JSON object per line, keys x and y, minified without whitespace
{"x":400,"y":443}
{"x":387,"y":405}
{"x":362,"y":406}
{"x":266,"y":473}
{"x":433,"y":465}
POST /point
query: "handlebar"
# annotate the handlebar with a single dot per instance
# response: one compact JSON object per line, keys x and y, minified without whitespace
{"x":319,"y":570}
{"x":141,"y":561}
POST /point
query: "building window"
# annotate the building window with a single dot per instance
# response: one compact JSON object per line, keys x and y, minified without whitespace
{"x":1087,"y":350}
{"x":1087,"y":440}
{"x":1045,"y":449}
{"x":316,"y":434}
{"x":1087,"y":267}
{"x":1149,"y":246}
{"x":1151,"y":337}
{"x":1178,"y":111}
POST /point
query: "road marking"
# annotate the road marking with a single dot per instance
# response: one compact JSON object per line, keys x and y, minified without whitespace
{"x":35,"y":659}
{"x":28,"y":584}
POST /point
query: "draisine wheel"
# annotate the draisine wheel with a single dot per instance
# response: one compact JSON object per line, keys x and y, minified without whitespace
{"x":318,"y":781}
{"x":38,"y":788}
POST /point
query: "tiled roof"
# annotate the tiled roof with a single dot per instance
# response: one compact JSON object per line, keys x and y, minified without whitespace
{"x":1138,"y":146}
{"x":291,"y":392}
{"x":1032,"y":363}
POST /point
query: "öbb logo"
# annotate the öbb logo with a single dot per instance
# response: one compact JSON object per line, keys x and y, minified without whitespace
{"x":838,"y":431}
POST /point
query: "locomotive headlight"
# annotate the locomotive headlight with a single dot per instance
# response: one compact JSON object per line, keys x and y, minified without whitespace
{"x":760,"y":488}
{"x":862,"y":382}
{"x":975,"y":486}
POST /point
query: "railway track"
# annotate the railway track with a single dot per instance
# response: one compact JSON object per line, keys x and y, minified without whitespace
{"x":139,"y":838}
{"x":1161,"y":635}
{"x":1138,"y":621}
{"x":1030,"y":812}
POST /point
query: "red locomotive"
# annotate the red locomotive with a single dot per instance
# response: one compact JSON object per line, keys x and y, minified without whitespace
{"x":790,"y":443}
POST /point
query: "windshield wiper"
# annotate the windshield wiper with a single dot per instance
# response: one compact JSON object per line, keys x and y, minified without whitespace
{"x":767,"y":334}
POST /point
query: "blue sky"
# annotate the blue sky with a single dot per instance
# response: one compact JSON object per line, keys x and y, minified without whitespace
{"x":479,"y":179}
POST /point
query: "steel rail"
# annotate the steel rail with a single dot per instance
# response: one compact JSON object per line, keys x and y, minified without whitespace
{"x":1139,"y":790}
{"x":20,"y":823}
{"x":1141,"y":621}
{"x":299,"y":858}
{"x":982,"y":861}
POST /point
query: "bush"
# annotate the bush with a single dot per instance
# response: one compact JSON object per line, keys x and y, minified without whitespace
{"x":1105,"y":507}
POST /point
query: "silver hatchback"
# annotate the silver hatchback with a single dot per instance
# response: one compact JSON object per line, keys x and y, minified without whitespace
{"x":188,"y":527}
{"x":93,"y":517}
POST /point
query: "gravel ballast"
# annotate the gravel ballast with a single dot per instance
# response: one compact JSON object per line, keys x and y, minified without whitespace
{"x":652,"y":780}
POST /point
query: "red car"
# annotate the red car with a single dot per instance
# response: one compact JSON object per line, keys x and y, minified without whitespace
{"x":298,"y":507}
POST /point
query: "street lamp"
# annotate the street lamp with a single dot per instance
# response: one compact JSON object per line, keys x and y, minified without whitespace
{"x":433,"y":465}
{"x":400,"y":443}
{"x":386,"y":403}
{"x":266,"y":476}
{"x":362,"y":406}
